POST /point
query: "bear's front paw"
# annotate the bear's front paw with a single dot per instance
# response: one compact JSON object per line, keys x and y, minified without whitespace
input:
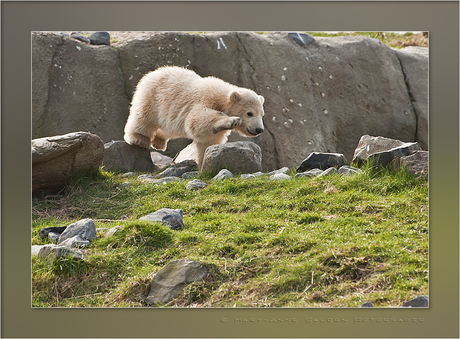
{"x":228,"y":123}
{"x":235,"y":122}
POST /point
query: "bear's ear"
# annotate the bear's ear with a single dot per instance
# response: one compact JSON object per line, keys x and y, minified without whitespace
{"x":235,"y":96}
{"x":262,"y":99}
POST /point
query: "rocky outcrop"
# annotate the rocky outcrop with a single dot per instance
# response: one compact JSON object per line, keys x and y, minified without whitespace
{"x":321,"y":94}
{"x":76,"y":87}
{"x":57,"y":159}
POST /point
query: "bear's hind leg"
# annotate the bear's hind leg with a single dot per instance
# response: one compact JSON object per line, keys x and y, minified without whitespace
{"x":159,"y":143}
{"x":159,"y":140}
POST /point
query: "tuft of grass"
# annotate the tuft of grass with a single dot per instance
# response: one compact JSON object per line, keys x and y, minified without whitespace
{"x":335,"y":241}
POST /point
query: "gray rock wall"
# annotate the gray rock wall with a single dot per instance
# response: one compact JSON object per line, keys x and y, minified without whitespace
{"x":319,"y":98}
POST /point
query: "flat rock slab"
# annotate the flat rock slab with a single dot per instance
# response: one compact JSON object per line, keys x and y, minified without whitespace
{"x":322,"y":161}
{"x":171,"y":279}
{"x":120,"y":156}
{"x":57,"y":159}
{"x":170,"y":217}
{"x":382,"y":151}
{"x":237,"y":157}
{"x":85,"y":229}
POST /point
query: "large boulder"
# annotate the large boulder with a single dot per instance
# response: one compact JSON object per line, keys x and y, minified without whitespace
{"x":57,"y":159}
{"x":120,"y":156}
{"x":237,"y":157}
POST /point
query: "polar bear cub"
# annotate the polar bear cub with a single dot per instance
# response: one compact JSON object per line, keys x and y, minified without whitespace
{"x":173,"y":102}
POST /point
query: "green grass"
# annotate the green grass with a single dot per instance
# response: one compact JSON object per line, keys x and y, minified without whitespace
{"x":322,"y":242}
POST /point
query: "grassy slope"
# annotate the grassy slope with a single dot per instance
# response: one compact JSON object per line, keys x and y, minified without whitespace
{"x":323,"y":242}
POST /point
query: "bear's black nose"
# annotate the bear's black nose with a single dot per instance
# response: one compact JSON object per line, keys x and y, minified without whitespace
{"x":259,"y":130}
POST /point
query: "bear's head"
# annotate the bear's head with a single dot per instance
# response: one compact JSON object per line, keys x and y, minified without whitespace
{"x":247,"y":105}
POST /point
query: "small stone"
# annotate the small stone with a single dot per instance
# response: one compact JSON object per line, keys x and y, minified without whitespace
{"x":80,"y":37}
{"x":76,"y":241}
{"x":280,"y":176}
{"x":176,"y":170}
{"x":309,"y":174}
{"x":100,"y":38}
{"x":167,"y":216}
{"x":283,"y":170}
{"x":367,"y":304}
{"x":349,"y":170}
{"x":160,"y":160}
{"x":147,"y":178}
{"x":420,"y":301}
{"x":112,"y":231}
{"x":50,"y":253}
{"x":329,"y":171}
{"x":54,"y":236}
{"x":124,"y":185}
{"x":45,"y":231}
{"x":190,"y":175}
{"x":195,"y":185}
{"x":36,"y":248}
{"x":301,"y":39}
{"x":247,"y":176}
{"x":85,"y":228}
{"x":223,"y":174}
{"x":128,"y":174}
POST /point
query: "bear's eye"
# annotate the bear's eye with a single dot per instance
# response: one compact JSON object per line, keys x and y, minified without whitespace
{"x":250,"y":114}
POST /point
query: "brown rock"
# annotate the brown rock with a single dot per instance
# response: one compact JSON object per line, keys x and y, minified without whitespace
{"x":57,"y":159}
